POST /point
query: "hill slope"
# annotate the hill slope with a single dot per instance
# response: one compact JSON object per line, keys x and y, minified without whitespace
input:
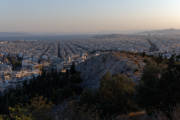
{"x":114,"y":62}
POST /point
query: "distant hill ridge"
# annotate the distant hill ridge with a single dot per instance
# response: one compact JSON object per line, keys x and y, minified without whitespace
{"x":15,"y":34}
{"x":170,"y":31}
{"x":162,"y":32}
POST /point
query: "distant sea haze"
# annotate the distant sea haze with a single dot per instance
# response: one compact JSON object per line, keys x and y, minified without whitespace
{"x":31,"y":36}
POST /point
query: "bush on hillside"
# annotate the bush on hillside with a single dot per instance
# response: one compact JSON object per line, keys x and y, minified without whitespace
{"x":159,"y":87}
{"x":115,"y":95}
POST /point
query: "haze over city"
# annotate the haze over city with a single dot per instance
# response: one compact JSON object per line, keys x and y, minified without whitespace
{"x":88,"y":16}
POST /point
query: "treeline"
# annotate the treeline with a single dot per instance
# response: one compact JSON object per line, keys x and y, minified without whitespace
{"x":15,"y":61}
{"x":159,"y":88}
{"x":52,"y":86}
{"x":157,"y":92}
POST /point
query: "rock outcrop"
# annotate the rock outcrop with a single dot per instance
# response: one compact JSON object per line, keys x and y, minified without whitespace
{"x":114,"y":62}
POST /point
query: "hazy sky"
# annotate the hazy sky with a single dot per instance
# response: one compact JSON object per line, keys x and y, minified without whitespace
{"x":87,"y":16}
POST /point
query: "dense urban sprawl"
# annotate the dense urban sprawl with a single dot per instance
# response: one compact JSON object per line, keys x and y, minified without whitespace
{"x":23,"y":59}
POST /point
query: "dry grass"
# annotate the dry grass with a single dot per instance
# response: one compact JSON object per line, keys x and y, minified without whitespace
{"x":134,"y":116}
{"x":73,"y":112}
{"x":143,"y":116}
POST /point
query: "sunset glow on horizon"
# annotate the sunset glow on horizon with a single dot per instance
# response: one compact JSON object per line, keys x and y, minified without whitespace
{"x":88,"y":16}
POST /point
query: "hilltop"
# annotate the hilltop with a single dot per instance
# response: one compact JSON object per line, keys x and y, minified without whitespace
{"x":114,"y":62}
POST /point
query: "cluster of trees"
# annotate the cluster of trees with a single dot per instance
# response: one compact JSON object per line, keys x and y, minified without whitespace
{"x":159,"y":88}
{"x":115,"y":95}
{"x":15,"y":61}
{"x":52,"y":86}
{"x":157,"y":91}
{"x":38,"y":108}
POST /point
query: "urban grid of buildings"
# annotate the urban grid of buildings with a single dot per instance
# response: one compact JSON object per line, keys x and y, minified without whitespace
{"x":60,"y":54}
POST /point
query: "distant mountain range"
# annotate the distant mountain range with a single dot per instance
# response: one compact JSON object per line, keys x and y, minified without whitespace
{"x":38,"y":36}
{"x":162,"y":32}
{"x":165,"y":32}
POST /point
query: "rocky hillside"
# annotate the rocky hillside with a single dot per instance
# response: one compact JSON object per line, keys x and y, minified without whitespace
{"x":114,"y":62}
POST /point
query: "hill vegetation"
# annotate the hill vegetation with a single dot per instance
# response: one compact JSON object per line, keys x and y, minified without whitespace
{"x":60,"y":96}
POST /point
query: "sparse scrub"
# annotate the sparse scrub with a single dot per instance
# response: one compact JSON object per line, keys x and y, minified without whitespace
{"x":115,"y":95}
{"x":73,"y":111}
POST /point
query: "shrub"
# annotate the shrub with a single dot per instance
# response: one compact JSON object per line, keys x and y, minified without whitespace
{"x":116,"y":94}
{"x":159,"y":87}
{"x":72,"y":111}
{"x":38,"y":109}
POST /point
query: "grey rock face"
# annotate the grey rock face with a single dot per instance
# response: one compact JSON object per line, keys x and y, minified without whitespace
{"x":115,"y":62}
